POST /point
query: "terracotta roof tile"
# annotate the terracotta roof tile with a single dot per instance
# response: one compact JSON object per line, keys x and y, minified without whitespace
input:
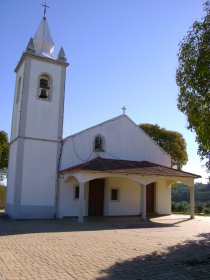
{"x":128,"y":167}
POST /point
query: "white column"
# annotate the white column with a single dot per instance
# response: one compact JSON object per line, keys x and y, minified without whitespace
{"x":144,"y":202}
{"x":192,"y":202}
{"x":81,"y":202}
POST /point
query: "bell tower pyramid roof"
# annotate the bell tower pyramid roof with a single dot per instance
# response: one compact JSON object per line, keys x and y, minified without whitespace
{"x":43,"y":41}
{"x":41,"y":46}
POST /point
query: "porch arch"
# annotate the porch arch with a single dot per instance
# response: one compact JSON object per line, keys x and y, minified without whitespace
{"x":191,"y":187}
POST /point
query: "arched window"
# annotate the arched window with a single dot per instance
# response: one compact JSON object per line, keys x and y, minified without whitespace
{"x":99,"y":143}
{"x":44,"y":86}
{"x":18,"y":90}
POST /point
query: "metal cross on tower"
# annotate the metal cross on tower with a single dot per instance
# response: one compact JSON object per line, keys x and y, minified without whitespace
{"x":45,"y":6}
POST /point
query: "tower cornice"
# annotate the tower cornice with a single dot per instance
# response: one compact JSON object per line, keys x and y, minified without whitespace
{"x":39,"y":58}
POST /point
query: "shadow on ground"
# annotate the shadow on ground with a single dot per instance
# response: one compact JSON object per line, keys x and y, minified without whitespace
{"x":189,"y":260}
{"x":14,"y":227}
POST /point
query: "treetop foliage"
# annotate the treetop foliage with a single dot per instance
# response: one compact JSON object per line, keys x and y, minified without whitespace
{"x":170,"y":141}
{"x":192,"y":77}
{"x":4,"y":151}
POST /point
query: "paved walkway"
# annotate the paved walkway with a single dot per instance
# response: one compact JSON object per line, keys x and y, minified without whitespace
{"x":171,"y":247}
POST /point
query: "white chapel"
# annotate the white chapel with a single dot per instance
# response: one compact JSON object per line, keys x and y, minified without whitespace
{"x":110,"y":169}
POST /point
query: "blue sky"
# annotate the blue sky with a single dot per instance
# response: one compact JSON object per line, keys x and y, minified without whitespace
{"x":121,"y":53}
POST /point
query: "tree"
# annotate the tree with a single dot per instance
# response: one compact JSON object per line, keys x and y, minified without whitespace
{"x":192,"y":78}
{"x":4,"y":153}
{"x":170,"y":141}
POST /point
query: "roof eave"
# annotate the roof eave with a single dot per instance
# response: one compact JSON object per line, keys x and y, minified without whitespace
{"x":71,"y":171}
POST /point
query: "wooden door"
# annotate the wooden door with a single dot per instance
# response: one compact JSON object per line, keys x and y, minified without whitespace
{"x":96,"y":197}
{"x":151,"y":198}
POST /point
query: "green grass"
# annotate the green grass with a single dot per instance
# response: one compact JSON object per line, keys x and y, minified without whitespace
{"x":2,"y":196}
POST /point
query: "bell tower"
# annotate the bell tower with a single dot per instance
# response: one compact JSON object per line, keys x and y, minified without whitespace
{"x":37,"y":127}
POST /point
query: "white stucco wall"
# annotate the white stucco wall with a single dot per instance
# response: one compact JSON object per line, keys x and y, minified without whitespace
{"x":17,"y":105}
{"x":163,"y":197}
{"x":39,"y":173}
{"x":129,"y":202}
{"x":68,"y":205}
{"x":11,"y":173}
{"x":123,"y":140}
{"x":43,"y":115}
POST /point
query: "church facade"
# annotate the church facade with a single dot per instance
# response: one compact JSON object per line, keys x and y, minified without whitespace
{"x":111,"y":169}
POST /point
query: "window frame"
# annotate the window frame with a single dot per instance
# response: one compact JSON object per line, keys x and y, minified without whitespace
{"x":118,"y":195}
{"x":76,"y":194}
{"x":101,"y":148}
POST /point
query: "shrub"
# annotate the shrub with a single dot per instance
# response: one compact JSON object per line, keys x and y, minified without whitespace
{"x":180,"y":207}
{"x":2,"y":196}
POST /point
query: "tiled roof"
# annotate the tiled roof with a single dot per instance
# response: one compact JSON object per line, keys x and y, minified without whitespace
{"x":128,"y":167}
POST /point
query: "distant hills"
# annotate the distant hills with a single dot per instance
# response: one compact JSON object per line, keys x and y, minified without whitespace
{"x":180,"y":197}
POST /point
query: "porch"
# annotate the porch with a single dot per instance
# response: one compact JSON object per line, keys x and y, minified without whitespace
{"x":106,"y":187}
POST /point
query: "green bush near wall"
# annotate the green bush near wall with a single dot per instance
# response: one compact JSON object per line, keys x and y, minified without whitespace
{"x":2,"y":196}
